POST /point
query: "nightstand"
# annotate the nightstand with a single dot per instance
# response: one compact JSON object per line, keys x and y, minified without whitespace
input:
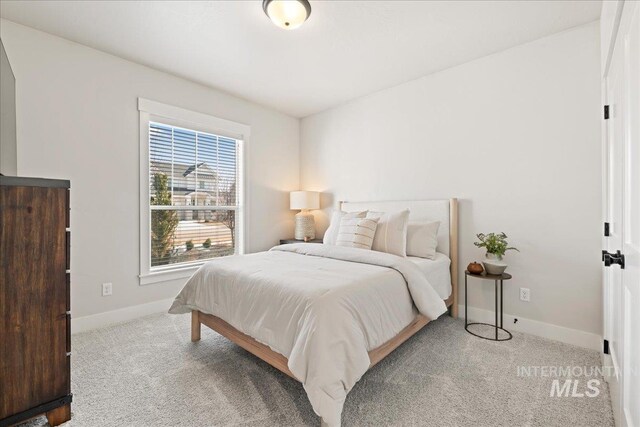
{"x":287,"y":241}
{"x":497,"y":279}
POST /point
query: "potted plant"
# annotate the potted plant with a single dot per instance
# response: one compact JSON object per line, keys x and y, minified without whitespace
{"x":496,"y":246}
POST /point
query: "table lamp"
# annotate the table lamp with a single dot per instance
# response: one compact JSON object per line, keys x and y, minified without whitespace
{"x":305,"y":223}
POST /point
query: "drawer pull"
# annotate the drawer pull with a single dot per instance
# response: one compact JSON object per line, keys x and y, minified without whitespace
{"x":68,"y":332}
{"x":68,"y":250}
{"x":68,"y":291}
{"x":67,"y":209}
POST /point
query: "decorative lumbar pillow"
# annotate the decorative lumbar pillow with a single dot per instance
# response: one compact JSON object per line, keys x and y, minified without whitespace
{"x":357,"y":232}
{"x":391,"y":233}
{"x":422,"y":239}
{"x":331,"y":235}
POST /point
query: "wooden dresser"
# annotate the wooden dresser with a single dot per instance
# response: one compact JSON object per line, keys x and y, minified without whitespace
{"x":35,"y":339}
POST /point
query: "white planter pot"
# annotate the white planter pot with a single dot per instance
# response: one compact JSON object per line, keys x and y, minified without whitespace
{"x":493,"y":264}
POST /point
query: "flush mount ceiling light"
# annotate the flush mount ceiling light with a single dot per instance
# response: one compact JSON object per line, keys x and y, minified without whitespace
{"x":287,"y":14}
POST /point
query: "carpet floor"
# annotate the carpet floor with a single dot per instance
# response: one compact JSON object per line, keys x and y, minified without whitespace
{"x":147,"y":373}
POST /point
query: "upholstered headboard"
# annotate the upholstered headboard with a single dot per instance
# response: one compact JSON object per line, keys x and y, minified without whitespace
{"x":420,"y":210}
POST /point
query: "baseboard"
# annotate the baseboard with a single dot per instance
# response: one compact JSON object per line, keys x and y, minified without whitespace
{"x":528,"y":326}
{"x":107,"y":318}
{"x":535,"y":327}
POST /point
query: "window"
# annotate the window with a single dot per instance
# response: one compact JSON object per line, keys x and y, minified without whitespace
{"x":191,"y":189}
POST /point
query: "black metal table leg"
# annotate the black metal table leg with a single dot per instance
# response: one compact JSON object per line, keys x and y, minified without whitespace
{"x":465,"y":301}
{"x":501,"y":299}
{"x":496,"y":309}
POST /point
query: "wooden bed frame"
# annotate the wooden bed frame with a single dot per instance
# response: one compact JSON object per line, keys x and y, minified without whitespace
{"x":280,"y":362}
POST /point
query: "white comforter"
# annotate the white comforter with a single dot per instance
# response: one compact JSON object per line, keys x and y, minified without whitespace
{"x":323,"y":307}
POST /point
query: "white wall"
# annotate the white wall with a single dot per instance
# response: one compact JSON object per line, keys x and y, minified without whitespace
{"x":515,"y":136}
{"x":78,"y":119}
{"x":8,"y":156}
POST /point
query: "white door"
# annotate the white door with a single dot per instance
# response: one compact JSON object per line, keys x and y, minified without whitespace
{"x":622,"y":284}
{"x":630,"y":27}
{"x":613,"y":274}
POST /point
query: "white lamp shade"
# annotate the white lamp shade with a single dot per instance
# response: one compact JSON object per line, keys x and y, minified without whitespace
{"x":304,"y":200}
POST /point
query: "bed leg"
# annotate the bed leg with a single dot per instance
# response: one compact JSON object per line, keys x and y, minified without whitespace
{"x":454,"y":309}
{"x":195,"y":326}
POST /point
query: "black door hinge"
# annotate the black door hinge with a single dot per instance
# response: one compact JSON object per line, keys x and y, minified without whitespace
{"x":605,"y":347}
{"x":606,"y":229}
{"x":606,"y":112}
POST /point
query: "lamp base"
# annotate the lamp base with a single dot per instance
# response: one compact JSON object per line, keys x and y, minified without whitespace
{"x":305,"y":226}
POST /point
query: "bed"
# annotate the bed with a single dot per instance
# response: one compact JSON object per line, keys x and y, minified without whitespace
{"x":323,"y":314}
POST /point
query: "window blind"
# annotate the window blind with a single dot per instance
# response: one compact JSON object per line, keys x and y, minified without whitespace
{"x":193,"y":194}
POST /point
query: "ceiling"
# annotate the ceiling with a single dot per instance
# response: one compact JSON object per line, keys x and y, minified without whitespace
{"x":345,"y":50}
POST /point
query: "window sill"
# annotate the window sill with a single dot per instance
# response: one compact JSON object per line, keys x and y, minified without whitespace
{"x":169,"y":274}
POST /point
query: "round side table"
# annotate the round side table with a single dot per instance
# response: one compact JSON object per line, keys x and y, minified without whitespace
{"x":496,"y":278}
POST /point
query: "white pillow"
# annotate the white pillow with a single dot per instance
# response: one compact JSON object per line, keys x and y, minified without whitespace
{"x":357,"y":232}
{"x":422,"y":239}
{"x":391,"y":234}
{"x":331,"y":235}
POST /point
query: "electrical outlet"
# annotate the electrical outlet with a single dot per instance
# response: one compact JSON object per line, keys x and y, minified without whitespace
{"x":525,"y":294}
{"x":107,"y":289}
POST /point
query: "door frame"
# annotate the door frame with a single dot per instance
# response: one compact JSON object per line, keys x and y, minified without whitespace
{"x":610,"y":23}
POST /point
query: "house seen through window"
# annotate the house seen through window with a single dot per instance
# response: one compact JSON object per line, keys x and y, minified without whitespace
{"x":193,"y":195}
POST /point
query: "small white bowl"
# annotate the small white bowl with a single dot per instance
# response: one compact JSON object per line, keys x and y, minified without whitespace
{"x":495,"y":269}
